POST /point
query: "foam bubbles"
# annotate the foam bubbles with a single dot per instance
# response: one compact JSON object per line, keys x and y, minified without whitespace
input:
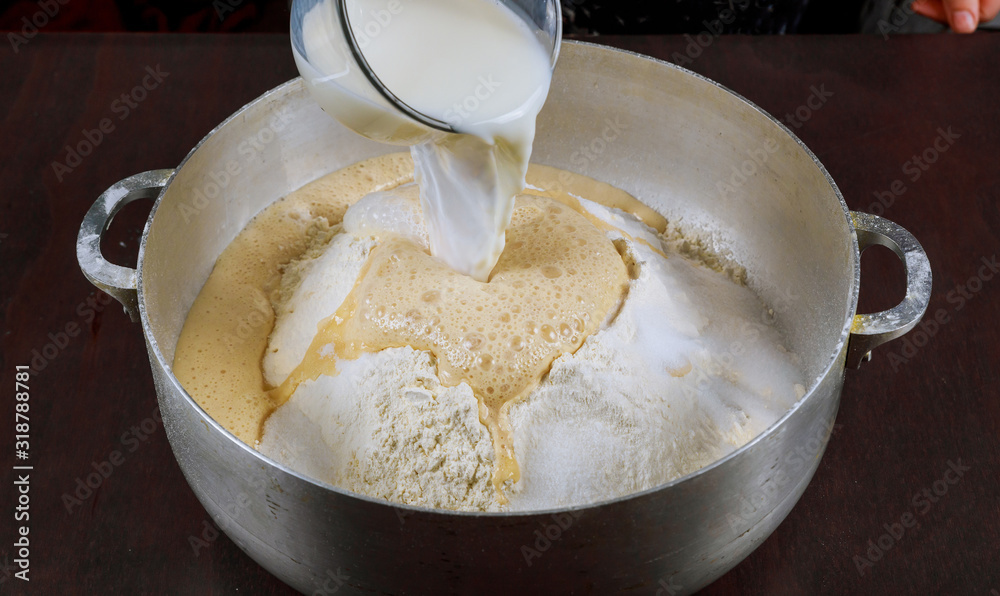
{"x":226,"y":331}
{"x":532,"y":272}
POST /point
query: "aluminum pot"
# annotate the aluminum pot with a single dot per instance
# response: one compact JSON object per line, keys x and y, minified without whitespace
{"x":696,"y":152}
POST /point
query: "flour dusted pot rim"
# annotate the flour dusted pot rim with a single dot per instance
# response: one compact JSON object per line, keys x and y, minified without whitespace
{"x":700,"y":155}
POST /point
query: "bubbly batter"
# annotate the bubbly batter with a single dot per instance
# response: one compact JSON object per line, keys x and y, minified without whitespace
{"x":225,"y":334}
{"x":570,"y":269}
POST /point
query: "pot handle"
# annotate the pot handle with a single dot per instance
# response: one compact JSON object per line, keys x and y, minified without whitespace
{"x":119,"y":282}
{"x":872,"y":330}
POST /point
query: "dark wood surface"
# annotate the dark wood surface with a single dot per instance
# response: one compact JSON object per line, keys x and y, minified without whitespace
{"x":903,"y":417}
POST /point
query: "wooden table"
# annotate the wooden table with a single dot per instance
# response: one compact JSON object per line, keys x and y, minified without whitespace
{"x":868,"y":107}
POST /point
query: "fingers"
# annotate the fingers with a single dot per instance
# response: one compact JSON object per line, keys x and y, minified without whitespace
{"x":988,"y":10}
{"x":962,"y":15}
{"x":932,"y":9}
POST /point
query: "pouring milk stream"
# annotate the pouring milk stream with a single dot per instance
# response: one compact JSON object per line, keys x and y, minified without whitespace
{"x":473,"y":64}
{"x":363,"y":324}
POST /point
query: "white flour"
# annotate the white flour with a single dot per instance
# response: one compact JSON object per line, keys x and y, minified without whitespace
{"x":385,"y":427}
{"x":684,"y":374}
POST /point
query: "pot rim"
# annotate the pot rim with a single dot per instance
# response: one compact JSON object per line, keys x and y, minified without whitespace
{"x":834,"y":357}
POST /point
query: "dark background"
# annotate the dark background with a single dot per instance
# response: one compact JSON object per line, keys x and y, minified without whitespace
{"x":899,"y":424}
{"x":581,"y":17}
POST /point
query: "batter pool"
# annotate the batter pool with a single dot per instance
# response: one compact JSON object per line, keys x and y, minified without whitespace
{"x":606,"y":354}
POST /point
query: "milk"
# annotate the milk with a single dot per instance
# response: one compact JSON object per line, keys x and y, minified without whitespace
{"x":471,"y":63}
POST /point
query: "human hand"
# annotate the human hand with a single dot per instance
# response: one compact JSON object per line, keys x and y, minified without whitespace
{"x":962,"y":15}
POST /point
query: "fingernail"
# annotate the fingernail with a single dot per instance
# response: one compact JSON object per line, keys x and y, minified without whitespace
{"x":964,"y":22}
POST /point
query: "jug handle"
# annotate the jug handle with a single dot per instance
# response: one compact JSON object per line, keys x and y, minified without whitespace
{"x":119,"y":282}
{"x":871,"y":330}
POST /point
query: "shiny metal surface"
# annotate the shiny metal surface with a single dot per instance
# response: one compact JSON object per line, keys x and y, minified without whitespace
{"x":119,"y":282}
{"x":666,"y":135}
{"x":872,"y":330}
